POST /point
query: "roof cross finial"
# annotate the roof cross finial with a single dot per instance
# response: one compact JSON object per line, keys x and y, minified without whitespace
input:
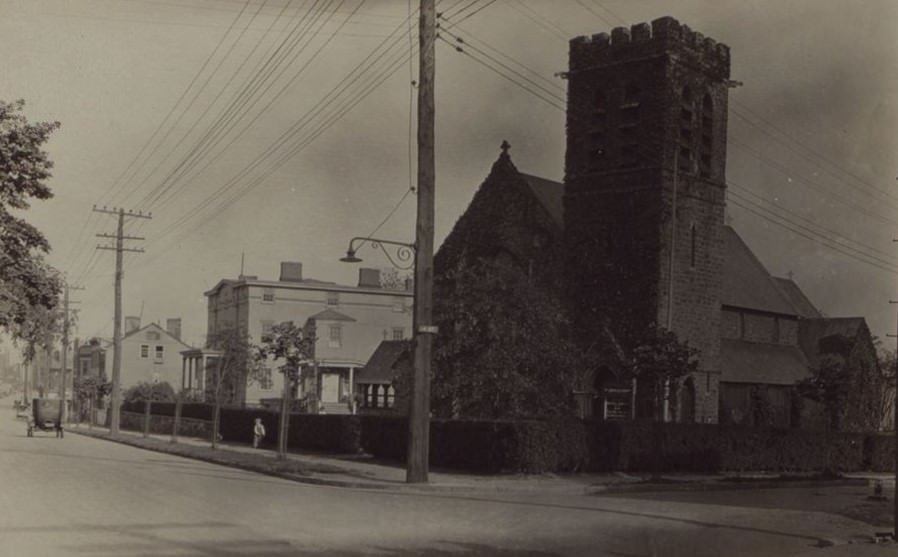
{"x":505,"y":147}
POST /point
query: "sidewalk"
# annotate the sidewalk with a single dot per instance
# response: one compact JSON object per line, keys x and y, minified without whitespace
{"x":348,"y":470}
{"x":360,"y":471}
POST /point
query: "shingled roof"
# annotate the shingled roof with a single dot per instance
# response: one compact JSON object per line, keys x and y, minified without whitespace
{"x":758,"y":362}
{"x":803,"y":306}
{"x":381,"y":367}
{"x":550,"y":195}
{"x":812,"y":331}
{"x":746,"y":283}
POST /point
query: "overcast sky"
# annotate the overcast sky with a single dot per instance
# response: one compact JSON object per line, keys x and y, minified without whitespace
{"x":270,"y":132}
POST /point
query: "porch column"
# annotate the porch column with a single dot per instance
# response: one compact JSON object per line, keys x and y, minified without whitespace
{"x":351,"y":390}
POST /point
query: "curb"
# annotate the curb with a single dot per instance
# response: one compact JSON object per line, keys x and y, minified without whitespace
{"x":720,"y":485}
{"x":316,"y":480}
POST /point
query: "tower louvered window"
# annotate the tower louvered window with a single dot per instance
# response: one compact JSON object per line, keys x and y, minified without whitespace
{"x":628,"y":127}
{"x":597,"y":140}
{"x":686,"y":155}
{"x":706,"y":144}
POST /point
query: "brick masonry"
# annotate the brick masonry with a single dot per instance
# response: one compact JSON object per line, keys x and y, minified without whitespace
{"x":645,"y":188}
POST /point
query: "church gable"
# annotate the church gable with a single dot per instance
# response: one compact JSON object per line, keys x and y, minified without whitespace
{"x":509,"y":221}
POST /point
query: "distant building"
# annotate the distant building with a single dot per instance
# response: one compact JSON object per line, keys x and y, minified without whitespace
{"x":150,"y":354}
{"x":349,"y":322}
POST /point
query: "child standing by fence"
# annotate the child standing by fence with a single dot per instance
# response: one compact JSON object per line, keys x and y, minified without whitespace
{"x":258,"y":433}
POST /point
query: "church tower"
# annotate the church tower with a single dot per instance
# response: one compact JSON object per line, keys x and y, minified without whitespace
{"x":645,"y":191}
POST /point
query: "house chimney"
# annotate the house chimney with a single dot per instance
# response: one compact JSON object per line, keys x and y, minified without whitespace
{"x":369,"y":278}
{"x":291,"y":271}
{"x":132,"y":323}
{"x":173,"y":327}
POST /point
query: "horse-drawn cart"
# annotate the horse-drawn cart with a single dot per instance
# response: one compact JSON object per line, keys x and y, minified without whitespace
{"x":46,"y":416}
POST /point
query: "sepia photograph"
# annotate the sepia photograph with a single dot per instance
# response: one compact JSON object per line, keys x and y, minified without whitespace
{"x":536,"y":278}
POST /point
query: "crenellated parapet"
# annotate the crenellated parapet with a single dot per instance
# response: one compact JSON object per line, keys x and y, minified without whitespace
{"x":663,"y":35}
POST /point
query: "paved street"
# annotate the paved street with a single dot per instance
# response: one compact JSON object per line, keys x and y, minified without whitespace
{"x":88,"y":497}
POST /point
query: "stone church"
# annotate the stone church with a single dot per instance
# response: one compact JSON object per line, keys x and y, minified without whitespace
{"x":635,"y":236}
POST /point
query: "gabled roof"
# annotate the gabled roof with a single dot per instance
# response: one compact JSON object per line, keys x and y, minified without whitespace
{"x":758,"y":362}
{"x":803,"y":306}
{"x":746,"y":283}
{"x":331,"y":315}
{"x":160,"y":330}
{"x":812,"y":331}
{"x":550,"y":195}
{"x":381,"y":367}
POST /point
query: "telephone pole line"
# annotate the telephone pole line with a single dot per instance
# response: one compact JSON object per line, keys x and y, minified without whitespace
{"x":117,"y":320}
{"x":417,"y":464}
{"x":65,"y":351}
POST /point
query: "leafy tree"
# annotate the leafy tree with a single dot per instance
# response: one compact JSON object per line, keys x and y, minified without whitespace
{"x":26,"y":281}
{"x":36,"y":332}
{"x":849,"y":387}
{"x":502,"y":350}
{"x":156,"y":392}
{"x":391,"y":279}
{"x":234,"y":368}
{"x":88,"y":388}
{"x":293,"y":347}
{"x":887,"y":366}
{"x":658,"y":362}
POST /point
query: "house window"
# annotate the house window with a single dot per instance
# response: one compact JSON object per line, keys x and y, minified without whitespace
{"x":335,"y":338}
{"x":268,"y":295}
{"x":152,"y":335}
{"x":160,"y":353}
{"x":398,"y":333}
{"x":333,"y":298}
{"x":265,"y":381}
{"x":144,"y":350}
{"x":775,"y":330}
{"x":398,"y":304}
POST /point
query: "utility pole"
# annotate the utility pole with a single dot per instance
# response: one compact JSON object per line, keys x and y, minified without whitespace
{"x":895,"y":433}
{"x":419,"y":409}
{"x":117,"y":320}
{"x":65,"y":350}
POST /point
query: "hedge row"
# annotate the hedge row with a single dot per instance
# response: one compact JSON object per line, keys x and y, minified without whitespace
{"x":558,"y":445}
{"x":329,"y":433}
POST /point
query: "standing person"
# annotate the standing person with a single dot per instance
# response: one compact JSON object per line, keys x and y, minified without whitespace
{"x":258,"y":433}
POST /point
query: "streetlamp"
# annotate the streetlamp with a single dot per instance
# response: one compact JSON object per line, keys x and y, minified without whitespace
{"x":400,"y":256}
{"x":405,"y":256}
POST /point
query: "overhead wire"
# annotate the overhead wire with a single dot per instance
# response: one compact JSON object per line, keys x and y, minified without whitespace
{"x":855,"y":250}
{"x":297,"y":143}
{"x":239,"y":108}
{"x":273,"y":157}
{"x":79,"y":245}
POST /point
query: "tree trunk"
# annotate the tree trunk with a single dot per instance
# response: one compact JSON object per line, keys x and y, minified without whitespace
{"x":216,"y":418}
{"x":284,"y":424}
{"x":146,"y":417}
